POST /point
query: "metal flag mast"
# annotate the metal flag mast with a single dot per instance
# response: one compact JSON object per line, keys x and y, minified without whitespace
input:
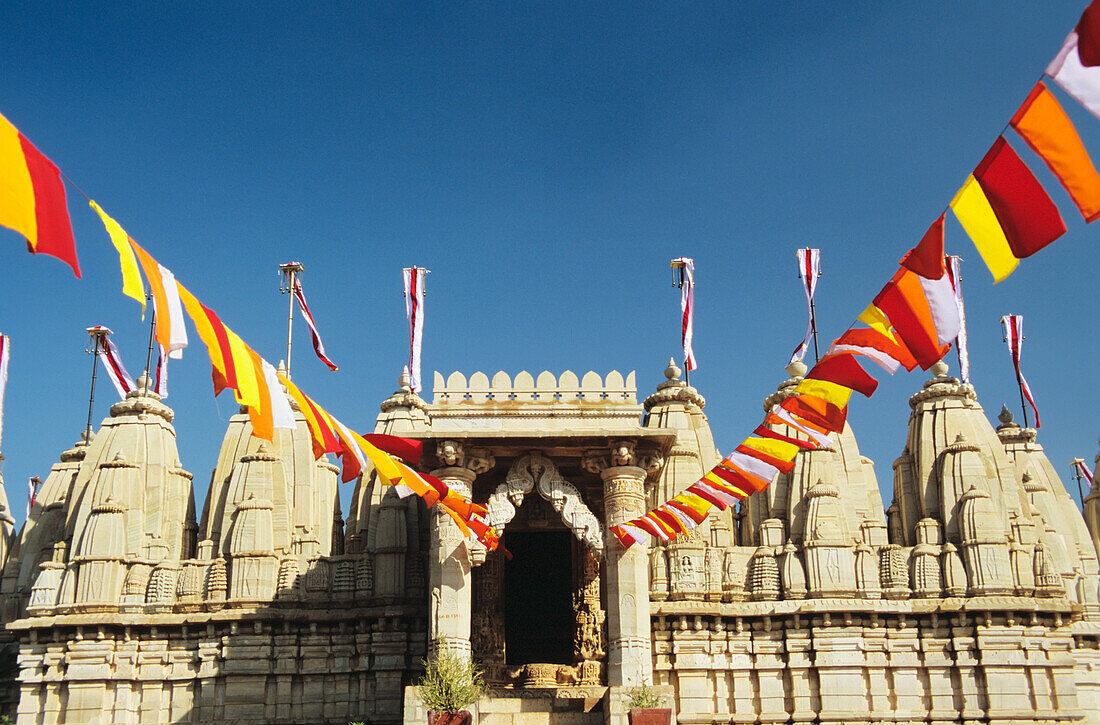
{"x":679,"y":271}
{"x":813,"y":311}
{"x":95,"y":339}
{"x":1077,"y":463}
{"x":290,"y":272}
{"x":149,"y":355}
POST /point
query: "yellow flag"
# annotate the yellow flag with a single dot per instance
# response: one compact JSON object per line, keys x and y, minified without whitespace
{"x":386,"y":466}
{"x":779,"y":449}
{"x":830,"y":392}
{"x":131,"y":278}
{"x":876,"y":319}
{"x":248,"y":390}
{"x":977,"y":217}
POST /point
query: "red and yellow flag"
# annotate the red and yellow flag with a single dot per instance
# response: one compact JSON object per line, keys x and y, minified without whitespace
{"x":32,"y":198}
{"x":211,"y":334}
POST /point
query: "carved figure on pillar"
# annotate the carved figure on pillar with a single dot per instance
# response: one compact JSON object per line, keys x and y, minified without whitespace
{"x":450,"y":561}
{"x":624,"y":471}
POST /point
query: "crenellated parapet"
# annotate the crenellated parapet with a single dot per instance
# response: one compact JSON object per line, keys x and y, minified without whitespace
{"x":525,"y":388}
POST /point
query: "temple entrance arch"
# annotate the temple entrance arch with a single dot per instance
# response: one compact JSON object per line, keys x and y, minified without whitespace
{"x":538,"y":620}
{"x":535,"y":472}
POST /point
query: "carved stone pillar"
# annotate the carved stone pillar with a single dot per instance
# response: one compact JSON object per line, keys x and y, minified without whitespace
{"x":629,"y":652}
{"x":449,"y":559}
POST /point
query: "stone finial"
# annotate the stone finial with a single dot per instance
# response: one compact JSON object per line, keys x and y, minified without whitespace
{"x":797,"y":369}
{"x":673,"y":390}
{"x":404,"y":396}
{"x":939,"y":369}
{"x":672,"y":372}
{"x":1006,"y":416}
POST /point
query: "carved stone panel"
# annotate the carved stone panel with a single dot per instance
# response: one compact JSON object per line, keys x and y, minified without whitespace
{"x":536,"y":472}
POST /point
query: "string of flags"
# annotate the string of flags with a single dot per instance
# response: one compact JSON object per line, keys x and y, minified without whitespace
{"x":918,"y":315}
{"x":914,"y":320}
{"x":911,"y":322}
{"x":32,"y":202}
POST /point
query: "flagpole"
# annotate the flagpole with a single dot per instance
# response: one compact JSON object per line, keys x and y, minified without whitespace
{"x":1023,"y":400}
{"x":813,"y":328}
{"x":290,"y":271}
{"x":1077,"y":474}
{"x":149,"y":356}
{"x":97,"y":336}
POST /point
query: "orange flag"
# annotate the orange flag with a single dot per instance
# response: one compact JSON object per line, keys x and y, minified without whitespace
{"x":1048,"y":131}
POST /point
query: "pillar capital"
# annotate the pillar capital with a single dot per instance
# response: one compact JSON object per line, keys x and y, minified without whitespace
{"x":454,"y":454}
{"x":622,"y":454}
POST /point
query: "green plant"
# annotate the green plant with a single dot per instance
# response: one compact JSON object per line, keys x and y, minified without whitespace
{"x":644,"y":698}
{"x":451,"y":682}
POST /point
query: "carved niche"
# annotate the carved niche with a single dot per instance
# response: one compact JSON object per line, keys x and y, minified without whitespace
{"x":535,"y":472}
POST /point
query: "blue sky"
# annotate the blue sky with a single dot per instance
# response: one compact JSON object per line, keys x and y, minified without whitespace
{"x":545,"y":160}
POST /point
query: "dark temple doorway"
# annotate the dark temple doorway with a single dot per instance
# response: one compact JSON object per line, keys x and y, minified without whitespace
{"x":539,"y":621}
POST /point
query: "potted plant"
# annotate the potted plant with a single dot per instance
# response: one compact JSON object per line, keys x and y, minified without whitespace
{"x":451,"y":683}
{"x":645,"y":707}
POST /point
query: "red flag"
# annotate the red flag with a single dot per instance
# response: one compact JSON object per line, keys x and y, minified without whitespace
{"x":404,"y":448}
{"x":1088,"y":35}
{"x":842,"y":369}
{"x":816,"y":411}
{"x":764,"y":431}
{"x":926,"y":259}
{"x":1027,"y":215}
{"x":904,"y":302}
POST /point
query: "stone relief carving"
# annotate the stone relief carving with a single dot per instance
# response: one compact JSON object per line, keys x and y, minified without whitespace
{"x":535,"y":471}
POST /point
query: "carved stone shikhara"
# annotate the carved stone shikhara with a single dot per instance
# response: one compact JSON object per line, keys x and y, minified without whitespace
{"x":973,"y":598}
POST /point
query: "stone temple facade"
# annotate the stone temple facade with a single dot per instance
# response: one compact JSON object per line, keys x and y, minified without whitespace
{"x":974,"y":597}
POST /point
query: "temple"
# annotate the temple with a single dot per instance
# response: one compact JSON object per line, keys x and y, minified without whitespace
{"x":972,"y":597}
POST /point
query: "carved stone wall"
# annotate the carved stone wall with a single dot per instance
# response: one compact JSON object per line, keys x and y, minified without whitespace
{"x":973,"y":598}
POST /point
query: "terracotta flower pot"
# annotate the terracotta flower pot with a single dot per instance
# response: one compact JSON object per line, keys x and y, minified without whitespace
{"x":651,"y":716}
{"x":463,"y":717}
